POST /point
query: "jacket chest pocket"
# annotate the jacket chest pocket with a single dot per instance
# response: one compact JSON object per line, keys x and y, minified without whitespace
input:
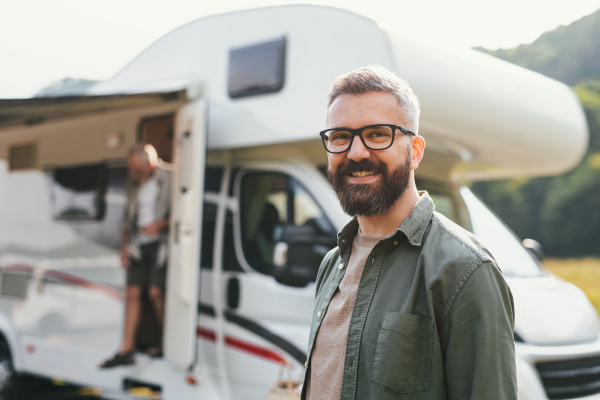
{"x":403,"y":353}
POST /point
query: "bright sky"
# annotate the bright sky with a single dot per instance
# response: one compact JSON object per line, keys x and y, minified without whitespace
{"x":42,"y":41}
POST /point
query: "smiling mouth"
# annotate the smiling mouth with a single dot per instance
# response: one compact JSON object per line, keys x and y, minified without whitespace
{"x":363,"y":173}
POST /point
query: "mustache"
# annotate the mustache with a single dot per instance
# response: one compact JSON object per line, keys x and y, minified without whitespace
{"x":351,"y":166}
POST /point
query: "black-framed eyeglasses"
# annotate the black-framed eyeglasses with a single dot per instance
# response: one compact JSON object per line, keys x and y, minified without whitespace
{"x":374,"y":137}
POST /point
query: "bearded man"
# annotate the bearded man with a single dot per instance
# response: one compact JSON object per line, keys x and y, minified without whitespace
{"x":409,"y":305}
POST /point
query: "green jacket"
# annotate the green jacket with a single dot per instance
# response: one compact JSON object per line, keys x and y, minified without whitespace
{"x":433,"y":317}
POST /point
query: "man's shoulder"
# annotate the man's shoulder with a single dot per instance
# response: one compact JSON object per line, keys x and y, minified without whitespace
{"x":453,"y":244}
{"x":451,"y":256}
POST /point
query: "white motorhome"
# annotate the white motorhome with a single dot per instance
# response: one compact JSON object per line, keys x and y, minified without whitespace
{"x":236,"y":101}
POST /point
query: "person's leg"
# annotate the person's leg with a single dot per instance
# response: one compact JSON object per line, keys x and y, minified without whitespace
{"x":156,"y":292}
{"x":157,"y":296}
{"x":132,"y":317}
{"x":135,"y":281}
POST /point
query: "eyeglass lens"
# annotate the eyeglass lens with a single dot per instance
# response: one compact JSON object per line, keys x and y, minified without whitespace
{"x":376,"y":137}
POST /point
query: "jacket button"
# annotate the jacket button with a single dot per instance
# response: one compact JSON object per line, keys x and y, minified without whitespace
{"x":395,"y":242}
{"x":306,"y":364}
{"x":319,"y":314}
{"x":341,"y":266}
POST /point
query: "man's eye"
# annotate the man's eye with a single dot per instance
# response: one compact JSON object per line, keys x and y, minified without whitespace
{"x":340,"y":136}
{"x":378,"y":134}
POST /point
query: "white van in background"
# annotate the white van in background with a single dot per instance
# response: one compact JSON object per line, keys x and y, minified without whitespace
{"x":236,"y":101}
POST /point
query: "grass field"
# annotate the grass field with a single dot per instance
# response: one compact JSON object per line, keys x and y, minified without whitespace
{"x":583,"y":272}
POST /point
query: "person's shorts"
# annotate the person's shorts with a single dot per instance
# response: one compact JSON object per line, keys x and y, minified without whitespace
{"x":145,"y":272}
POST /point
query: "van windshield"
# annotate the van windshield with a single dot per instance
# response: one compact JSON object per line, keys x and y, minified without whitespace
{"x":513,"y":259}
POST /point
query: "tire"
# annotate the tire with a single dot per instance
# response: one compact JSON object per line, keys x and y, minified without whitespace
{"x":9,"y":379}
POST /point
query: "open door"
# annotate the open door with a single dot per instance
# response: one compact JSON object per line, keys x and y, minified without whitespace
{"x":183,"y":277}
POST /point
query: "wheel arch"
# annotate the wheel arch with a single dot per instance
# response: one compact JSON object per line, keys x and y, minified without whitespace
{"x":8,"y":333}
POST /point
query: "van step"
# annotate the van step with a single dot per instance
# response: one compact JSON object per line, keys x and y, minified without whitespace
{"x":142,"y":389}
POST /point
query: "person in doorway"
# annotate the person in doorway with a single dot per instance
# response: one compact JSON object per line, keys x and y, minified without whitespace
{"x":409,"y":305}
{"x":144,"y":246}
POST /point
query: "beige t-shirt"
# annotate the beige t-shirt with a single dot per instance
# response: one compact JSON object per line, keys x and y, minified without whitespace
{"x":329,"y":349}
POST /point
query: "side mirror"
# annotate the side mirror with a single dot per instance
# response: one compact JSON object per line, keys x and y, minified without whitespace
{"x":534,"y":247}
{"x":297,"y":257}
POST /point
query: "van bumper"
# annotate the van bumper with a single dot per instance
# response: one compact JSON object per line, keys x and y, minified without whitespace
{"x":562,"y":368}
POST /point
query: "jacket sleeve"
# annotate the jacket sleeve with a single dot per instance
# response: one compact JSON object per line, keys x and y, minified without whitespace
{"x":477,"y":338}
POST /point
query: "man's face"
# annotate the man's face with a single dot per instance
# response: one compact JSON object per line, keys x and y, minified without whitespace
{"x":138,"y":169}
{"x":369,"y":182}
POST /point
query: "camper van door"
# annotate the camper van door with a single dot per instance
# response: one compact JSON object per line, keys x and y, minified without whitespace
{"x":183,"y":278}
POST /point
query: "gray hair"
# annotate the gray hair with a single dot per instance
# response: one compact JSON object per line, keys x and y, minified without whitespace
{"x":146,"y":153}
{"x":375,"y":78}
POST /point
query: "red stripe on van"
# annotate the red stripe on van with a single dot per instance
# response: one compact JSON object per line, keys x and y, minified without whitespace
{"x":74,"y":280}
{"x":64,"y":277}
{"x":241,"y":345}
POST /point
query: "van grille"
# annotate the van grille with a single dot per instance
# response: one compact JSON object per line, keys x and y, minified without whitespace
{"x":14,"y":284}
{"x":570,"y":379}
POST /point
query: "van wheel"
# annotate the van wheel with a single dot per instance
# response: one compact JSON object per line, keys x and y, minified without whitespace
{"x":9,"y":380}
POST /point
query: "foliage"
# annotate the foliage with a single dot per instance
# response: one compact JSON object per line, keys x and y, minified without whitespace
{"x":568,"y":54}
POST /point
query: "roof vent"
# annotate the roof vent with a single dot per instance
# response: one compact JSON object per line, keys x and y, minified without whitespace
{"x":13,"y":284}
{"x":22,"y":156}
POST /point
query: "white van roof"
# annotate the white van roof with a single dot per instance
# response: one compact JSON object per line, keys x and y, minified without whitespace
{"x":490,"y":118}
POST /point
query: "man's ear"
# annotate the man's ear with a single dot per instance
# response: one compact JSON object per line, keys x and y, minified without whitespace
{"x":418,"y":148}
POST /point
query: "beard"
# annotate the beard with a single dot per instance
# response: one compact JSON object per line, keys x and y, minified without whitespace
{"x":369,"y":199}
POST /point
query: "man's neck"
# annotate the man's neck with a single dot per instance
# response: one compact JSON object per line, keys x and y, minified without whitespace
{"x":386,"y":223}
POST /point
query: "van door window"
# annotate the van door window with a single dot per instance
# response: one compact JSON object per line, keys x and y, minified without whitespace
{"x":78,"y":193}
{"x":265,"y":205}
{"x":158,"y":132}
{"x":276,"y":208}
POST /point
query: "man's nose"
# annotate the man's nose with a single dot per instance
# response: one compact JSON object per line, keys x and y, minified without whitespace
{"x":358,"y":151}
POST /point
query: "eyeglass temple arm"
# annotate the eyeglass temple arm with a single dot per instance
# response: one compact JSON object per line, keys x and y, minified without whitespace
{"x":406,"y":131}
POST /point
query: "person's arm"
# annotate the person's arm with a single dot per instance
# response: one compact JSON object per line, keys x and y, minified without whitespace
{"x":127,"y":220}
{"x":477,"y":339}
{"x":155,"y":227}
{"x":124,"y":244}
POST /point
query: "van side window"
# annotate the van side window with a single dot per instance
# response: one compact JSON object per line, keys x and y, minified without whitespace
{"x":230,"y":261}
{"x":77,"y":193}
{"x":273,"y":208}
{"x":212,"y":179}
{"x":256,"y":69}
{"x":209,"y":217}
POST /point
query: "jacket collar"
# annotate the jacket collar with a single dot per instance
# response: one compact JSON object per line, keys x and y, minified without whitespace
{"x":413,"y":227}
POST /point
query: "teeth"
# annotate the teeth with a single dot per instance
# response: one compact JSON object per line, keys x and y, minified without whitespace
{"x":362,"y":173}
